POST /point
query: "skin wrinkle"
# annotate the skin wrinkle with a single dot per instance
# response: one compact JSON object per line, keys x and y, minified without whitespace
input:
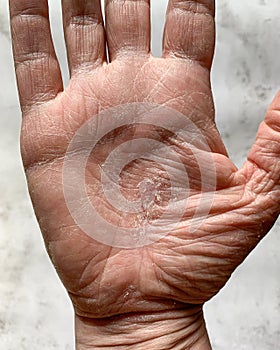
{"x":197,"y":6}
{"x":83,"y":275}
{"x":85,"y":21}
{"x":177,"y":293}
{"x":138,"y":76}
{"x":158,"y":82}
{"x":263,"y":169}
{"x":129,"y":320}
{"x":105,"y":265}
{"x":261,"y":184}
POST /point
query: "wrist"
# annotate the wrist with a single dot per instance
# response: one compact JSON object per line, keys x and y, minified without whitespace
{"x":173,"y":329}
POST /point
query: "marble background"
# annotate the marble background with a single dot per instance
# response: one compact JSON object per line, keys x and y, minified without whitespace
{"x":35,"y":312}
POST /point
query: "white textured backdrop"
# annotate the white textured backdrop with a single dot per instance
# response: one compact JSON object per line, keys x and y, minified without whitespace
{"x":35,"y":312}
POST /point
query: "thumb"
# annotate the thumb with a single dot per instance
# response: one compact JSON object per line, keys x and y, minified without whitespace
{"x":260,"y":174}
{"x":263,"y":164}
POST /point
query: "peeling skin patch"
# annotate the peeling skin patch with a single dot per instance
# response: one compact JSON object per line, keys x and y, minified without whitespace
{"x":151,"y":197}
{"x":169,"y":141}
{"x":148,"y":193}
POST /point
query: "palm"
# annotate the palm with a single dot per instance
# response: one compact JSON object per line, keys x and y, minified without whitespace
{"x":181,"y":268}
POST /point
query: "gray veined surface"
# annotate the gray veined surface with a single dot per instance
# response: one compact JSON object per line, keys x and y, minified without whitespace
{"x":35,"y":312}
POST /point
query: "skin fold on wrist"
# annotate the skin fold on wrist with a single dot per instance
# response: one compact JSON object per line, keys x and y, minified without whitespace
{"x":172,"y":329}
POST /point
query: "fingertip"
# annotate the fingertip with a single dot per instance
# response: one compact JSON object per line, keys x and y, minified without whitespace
{"x":272,"y":118}
{"x":265,"y":152}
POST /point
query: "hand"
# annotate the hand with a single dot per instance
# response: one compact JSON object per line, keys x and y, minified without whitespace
{"x":149,"y":296}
